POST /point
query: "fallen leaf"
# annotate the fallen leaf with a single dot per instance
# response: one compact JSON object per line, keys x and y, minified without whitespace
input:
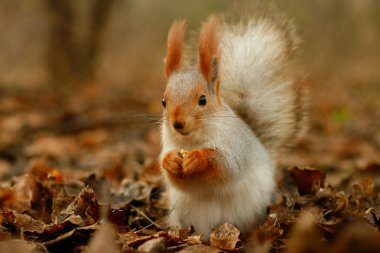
{"x":193,"y":239}
{"x":261,"y":239}
{"x":200,"y":249}
{"x":27,"y":191}
{"x":225,"y":237}
{"x":156,"y":245}
{"x":132,"y":240}
{"x":304,"y":235}
{"x":25,"y":223}
{"x":66,"y":242}
{"x":357,"y":236}
{"x":7,"y":196}
{"x":103,"y":240}
{"x":181,"y":234}
{"x":93,"y":139}
{"x":5,"y":169}
{"x":84,"y":205}
{"x":63,"y":196}
{"x":118,"y":197}
{"x":308,"y":181}
{"x":61,"y":148}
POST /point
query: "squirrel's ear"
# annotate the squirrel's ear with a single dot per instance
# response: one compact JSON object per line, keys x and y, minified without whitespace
{"x":209,"y":49}
{"x":174,"y":46}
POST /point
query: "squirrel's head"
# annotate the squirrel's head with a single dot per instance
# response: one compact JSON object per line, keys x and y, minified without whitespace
{"x":192,"y":95}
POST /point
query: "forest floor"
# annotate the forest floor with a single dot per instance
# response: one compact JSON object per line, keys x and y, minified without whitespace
{"x":79,"y":173}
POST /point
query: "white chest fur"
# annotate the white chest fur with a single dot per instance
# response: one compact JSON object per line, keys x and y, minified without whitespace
{"x":243,"y":199}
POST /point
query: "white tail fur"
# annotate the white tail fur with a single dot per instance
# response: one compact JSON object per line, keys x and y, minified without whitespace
{"x":257,"y":80}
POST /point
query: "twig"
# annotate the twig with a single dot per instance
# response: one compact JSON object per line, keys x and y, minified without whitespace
{"x":146,"y":217}
{"x":42,"y":247}
{"x":68,"y":234}
{"x":142,"y":229}
{"x":178,"y":246}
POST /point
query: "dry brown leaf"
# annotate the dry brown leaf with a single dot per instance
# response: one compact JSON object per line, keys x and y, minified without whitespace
{"x":84,"y":205}
{"x":129,"y":191}
{"x":193,"y":239}
{"x":181,"y":234}
{"x":103,"y":240}
{"x":368,"y":187}
{"x":67,"y":240}
{"x":156,"y":245}
{"x":132,"y":240}
{"x":5,"y":169}
{"x":282,"y":214}
{"x":308,"y":181}
{"x":38,"y":191}
{"x":200,"y":249}
{"x":61,"y":148}
{"x":357,"y":236}
{"x":93,"y":139}
{"x":225,"y":237}
{"x":63,"y":196}
{"x":25,"y":223}
{"x":121,"y":195}
{"x":261,"y":239}
{"x":27,"y":191}
{"x":7,"y":196}
{"x":304,"y":236}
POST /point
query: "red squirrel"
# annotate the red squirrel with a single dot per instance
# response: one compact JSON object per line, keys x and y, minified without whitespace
{"x":226,"y":116}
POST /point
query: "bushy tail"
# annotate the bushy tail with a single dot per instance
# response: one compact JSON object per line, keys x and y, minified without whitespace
{"x":259,"y":79}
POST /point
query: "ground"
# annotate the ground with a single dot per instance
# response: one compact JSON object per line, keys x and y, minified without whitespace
{"x":79,"y":173}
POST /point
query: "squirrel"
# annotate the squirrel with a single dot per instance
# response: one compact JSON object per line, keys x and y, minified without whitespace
{"x":226,"y":118}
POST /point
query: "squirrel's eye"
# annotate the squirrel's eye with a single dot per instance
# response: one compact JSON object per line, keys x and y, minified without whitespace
{"x":202,"y":100}
{"x":164,"y":102}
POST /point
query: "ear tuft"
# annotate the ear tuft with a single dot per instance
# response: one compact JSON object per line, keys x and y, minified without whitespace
{"x":209,"y":48}
{"x":174,"y":49}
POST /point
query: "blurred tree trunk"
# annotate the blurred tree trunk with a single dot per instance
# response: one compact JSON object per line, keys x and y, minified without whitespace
{"x":60,"y":52}
{"x":71,"y":61}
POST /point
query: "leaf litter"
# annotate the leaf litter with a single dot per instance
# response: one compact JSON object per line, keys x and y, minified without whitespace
{"x":73,"y":183}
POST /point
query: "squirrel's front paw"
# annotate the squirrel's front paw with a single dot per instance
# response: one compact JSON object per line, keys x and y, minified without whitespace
{"x":172,"y":162}
{"x":194,"y":162}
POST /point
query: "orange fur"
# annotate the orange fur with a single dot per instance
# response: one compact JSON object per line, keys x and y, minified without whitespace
{"x":208,"y":46}
{"x":174,"y":114}
{"x":198,"y":91}
{"x":176,"y":37}
{"x":198,"y":166}
{"x":204,"y":163}
{"x":172,"y":162}
{"x":177,"y":115}
{"x":195,"y":162}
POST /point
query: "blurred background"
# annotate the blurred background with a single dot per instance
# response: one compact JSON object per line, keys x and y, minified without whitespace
{"x":69,"y":67}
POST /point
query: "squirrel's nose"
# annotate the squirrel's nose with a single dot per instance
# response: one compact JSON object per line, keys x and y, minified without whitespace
{"x":178,"y":125}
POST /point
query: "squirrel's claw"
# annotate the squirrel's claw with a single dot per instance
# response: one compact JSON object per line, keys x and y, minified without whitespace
{"x":194,"y":162}
{"x":172,"y":162}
